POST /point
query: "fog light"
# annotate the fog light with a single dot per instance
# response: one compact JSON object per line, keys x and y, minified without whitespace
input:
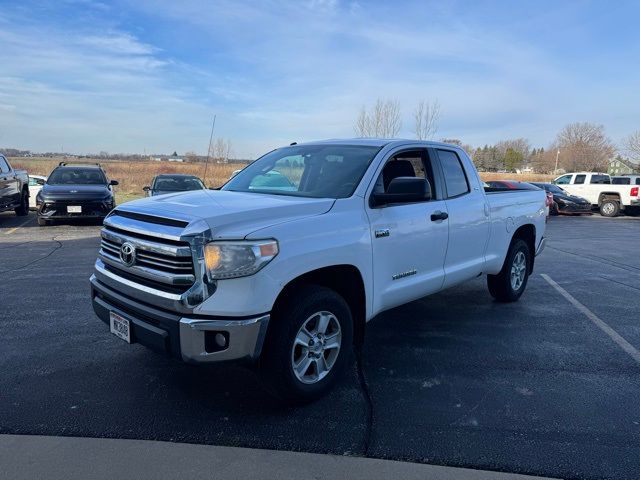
{"x":221,"y":340}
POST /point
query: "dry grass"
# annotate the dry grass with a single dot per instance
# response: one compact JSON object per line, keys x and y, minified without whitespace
{"x":523,"y":177}
{"x":133,"y":176}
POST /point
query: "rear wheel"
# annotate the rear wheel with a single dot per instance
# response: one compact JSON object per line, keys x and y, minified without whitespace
{"x":509,"y":284}
{"x":609,"y":208}
{"x":308,"y":345}
{"x":23,"y":209}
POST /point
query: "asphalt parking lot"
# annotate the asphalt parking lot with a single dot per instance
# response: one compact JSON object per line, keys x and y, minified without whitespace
{"x":537,"y":387}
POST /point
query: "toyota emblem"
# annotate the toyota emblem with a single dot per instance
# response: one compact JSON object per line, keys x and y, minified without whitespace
{"x":128,"y":254}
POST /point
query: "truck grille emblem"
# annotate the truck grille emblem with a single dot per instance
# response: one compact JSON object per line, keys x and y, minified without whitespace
{"x":128,"y":254}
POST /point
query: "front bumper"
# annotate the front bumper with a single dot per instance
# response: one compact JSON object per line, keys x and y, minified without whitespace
{"x":57,"y":209}
{"x":574,"y":208}
{"x":192,"y":338}
{"x":543,"y":243}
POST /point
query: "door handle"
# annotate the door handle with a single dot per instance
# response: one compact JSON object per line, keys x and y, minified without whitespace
{"x":439,"y":216}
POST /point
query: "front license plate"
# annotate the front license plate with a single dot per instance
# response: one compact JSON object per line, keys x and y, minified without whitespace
{"x":74,"y":209}
{"x":120,"y":326}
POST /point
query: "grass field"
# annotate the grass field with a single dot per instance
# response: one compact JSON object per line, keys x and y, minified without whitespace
{"x":133,"y":176}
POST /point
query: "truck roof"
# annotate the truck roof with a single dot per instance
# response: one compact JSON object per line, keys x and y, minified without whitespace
{"x":376,"y":142}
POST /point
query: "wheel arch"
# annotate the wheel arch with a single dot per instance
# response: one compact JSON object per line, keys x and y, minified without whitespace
{"x":527,"y":233}
{"x":344,"y":279}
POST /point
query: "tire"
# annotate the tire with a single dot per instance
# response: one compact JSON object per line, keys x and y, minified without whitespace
{"x":310,"y":307}
{"x":609,"y":208}
{"x":501,"y":286}
{"x":554,"y":209}
{"x":23,"y":209}
{"x":43,"y":222}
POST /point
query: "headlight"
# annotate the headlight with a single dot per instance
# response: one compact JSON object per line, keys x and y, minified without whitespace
{"x":232,"y":259}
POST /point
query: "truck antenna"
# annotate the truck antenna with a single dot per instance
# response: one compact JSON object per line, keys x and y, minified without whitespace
{"x":206,"y":163}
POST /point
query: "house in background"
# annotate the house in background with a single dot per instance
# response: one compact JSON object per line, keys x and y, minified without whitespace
{"x":621,"y":166}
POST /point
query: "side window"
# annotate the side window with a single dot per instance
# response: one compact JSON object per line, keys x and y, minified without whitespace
{"x":580,"y":179}
{"x":4,"y":166}
{"x":406,"y":164}
{"x":620,"y":181}
{"x":564,"y":180}
{"x":638,"y":181}
{"x":454,"y":177}
{"x":600,"y":179}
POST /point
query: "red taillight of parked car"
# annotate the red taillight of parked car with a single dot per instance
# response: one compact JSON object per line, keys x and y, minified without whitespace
{"x":634,"y":191}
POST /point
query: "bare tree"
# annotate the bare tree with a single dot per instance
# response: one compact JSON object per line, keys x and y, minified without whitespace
{"x":382,"y":121}
{"x":584,"y":146}
{"x":631,"y":145}
{"x":221,"y":150}
{"x":426,"y":117}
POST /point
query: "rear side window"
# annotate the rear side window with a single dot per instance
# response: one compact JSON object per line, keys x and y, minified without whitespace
{"x":621,"y":181}
{"x":454,"y":176}
{"x":580,"y":179}
{"x":600,"y":179}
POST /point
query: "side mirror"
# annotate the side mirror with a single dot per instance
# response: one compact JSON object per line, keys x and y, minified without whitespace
{"x":39,"y":181}
{"x":113,"y":182}
{"x":146,"y":188}
{"x":404,"y":190}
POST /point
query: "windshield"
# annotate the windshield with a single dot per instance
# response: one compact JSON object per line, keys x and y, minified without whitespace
{"x":77,"y":176}
{"x":177,"y":184}
{"x":316,"y":171}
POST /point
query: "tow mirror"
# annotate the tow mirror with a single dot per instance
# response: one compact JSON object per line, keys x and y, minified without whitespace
{"x":404,"y":190}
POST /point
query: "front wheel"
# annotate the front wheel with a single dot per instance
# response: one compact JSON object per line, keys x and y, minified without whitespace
{"x":509,"y":284}
{"x":43,"y":222}
{"x":308,"y":345}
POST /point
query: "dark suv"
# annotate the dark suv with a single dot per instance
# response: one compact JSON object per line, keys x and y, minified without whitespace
{"x":75,"y":191}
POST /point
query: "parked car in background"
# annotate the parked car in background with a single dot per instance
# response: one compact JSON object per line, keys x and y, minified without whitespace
{"x":35,"y":185}
{"x":173,"y":183}
{"x":626,"y":180}
{"x":14,"y":188}
{"x":598,"y":189}
{"x":75,"y":191}
{"x":518,"y":185}
{"x":258,"y":270}
{"x":564,"y":203}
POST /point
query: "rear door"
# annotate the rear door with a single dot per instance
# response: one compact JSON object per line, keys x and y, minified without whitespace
{"x":468,"y":217}
{"x":409,"y":246}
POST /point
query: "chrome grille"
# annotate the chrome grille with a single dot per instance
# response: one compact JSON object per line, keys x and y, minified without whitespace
{"x":157,"y":261}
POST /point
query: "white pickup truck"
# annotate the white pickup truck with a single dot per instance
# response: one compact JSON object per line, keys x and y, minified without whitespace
{"x":599,"y":190}
{"x":285,"y":264}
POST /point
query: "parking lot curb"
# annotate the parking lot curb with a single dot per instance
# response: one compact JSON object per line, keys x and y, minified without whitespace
{"x":33,"y":456}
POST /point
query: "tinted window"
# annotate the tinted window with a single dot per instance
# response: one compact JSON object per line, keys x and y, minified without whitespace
{"x":580,"y":179}
{"x":600,"y":179}
{"x":167,"y":183}
{"x":454,"y":176}
{"x":621,"y":181}
{"x":637,"y":181}
{"x":4,"y":166}
{"x":564,"y":180}
{"x":77,"y":176}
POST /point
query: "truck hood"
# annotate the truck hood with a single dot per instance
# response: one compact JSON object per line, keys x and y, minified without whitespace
{"x":231,"y":214}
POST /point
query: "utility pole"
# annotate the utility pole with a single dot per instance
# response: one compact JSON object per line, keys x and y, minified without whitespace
{"x":557,"y":155}
{"x":206,"y":163}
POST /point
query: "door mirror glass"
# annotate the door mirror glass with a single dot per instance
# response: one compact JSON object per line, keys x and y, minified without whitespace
{"x":113,"y":182}
{"x":404,"y":190}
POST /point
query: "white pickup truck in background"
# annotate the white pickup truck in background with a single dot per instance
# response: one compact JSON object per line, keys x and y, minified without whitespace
{"x":599,"y":190}
{"x":287,"y":262}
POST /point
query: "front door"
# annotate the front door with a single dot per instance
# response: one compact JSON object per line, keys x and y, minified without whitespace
{"x":408,"y":246}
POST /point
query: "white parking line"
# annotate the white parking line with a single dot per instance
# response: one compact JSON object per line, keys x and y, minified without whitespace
{"x":11,"y":230}
{"x":615,"y":336}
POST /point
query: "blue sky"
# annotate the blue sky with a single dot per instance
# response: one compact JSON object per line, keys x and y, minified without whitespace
{"x":149,"y":75}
